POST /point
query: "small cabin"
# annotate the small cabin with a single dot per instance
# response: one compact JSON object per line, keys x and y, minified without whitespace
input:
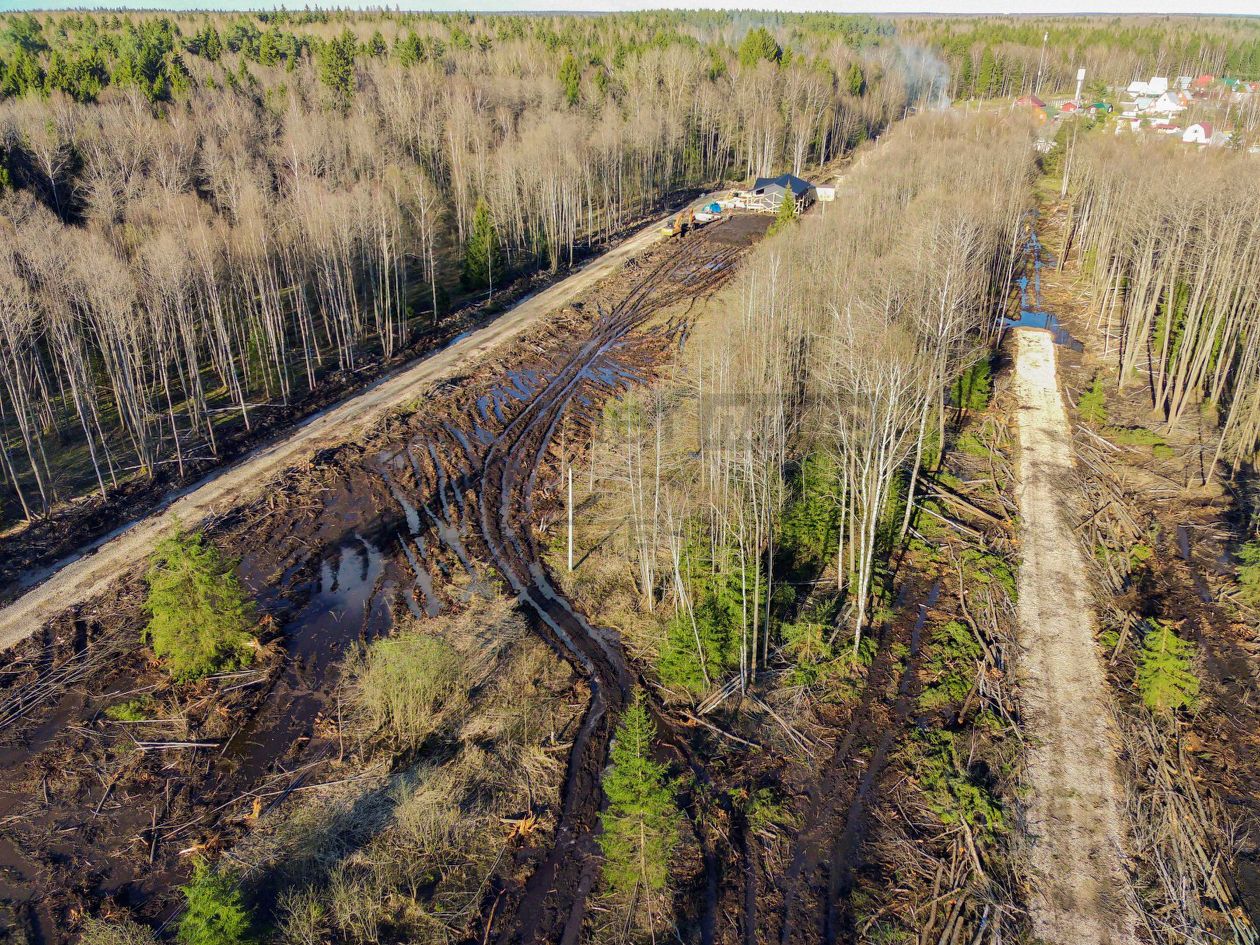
{"x":768,"y":193}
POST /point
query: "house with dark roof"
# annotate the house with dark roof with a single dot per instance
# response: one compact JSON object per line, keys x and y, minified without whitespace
{"x":767,"y":193}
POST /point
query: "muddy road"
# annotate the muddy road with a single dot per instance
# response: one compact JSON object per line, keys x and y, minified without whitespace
{"x":90,"y":571}
{"x":426,"y":511}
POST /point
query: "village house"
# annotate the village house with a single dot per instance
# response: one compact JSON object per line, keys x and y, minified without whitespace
{"x":768,"y":193}
{"x":1198,"y":133}
{"x":1168,"y":103}
{"x":1154,"y":88}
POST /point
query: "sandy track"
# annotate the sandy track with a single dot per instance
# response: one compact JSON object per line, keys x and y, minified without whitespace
{"x":1073,"y":808}
{"x":78,"y":578}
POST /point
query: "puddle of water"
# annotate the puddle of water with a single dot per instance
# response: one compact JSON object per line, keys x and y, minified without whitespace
{"x":424,"y":581}
{"x":351,"y":602}
{"x":1032,"y":313}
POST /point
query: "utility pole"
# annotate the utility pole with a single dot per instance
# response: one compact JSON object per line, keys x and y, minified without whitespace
{"x":1045,"y":38}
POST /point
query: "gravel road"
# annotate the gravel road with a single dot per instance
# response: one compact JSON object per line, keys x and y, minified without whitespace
{"x":1077,"y":888}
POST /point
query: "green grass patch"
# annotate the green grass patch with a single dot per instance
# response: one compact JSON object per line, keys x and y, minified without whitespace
{"x":971,"y":444}
{"x":139,"y":709}
{"x":1138,"y":438}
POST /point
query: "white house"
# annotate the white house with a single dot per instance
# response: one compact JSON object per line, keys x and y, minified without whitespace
{"x":1156,"y":87}
{"x":1166,"y":104}
{"x":1198,"y":133}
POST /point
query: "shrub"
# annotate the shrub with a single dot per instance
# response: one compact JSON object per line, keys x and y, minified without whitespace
{"x":133,"y":710}
{"x":1249,"y":572}
{"x":117,"y":930}
{"x":1165,"y":676}
{"x":984,"y":567}
{"x":1091,"y":406}
{"x":951,"y":666}
{"x":972,"y":389}
{"x":953,"y":792}
{"x":1138,"y":437}
{"x":200,"y":618}
{"x":641,"y":821}
{"x":767,"y":812}
{"x":399,"y":683}
{"x":215,"y":913}
{"x":971,"y":444}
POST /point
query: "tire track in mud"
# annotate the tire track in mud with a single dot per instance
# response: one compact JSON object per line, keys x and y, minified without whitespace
{"x":493,"y":480}
{"x":441,"y":531}
{"x":829,"y":843}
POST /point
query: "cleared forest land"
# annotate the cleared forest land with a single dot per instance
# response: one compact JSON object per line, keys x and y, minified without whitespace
{"x":391,"y":525}
{"x":751,"y":585}
{"x":1163,"y":521}
{"x":90,"y":572}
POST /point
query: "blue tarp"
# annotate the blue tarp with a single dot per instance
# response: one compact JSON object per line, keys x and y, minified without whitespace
{"x":715,"y":208}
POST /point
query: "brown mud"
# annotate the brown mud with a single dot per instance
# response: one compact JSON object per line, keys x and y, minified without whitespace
{"x":95,"y":813}
{"x":28,"y":549}
{"x":827,"y":850}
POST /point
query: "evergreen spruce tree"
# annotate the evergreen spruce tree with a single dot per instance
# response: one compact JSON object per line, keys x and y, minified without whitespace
{"x":786,"y":214}
{"x":200,"y":618}
{"x":1248,"y":554}
{"x":1092,"y":404}
{"x":986,"y":81}
{"x":481,"y":254}
{"x":215,"y":914}
{"x":1165,"y":676}
{"x":856,"y":80}
{"x":759,"y":45}
{"x":640,"y":824}
{"x":571,"y":79}
{"x":336,"y":68}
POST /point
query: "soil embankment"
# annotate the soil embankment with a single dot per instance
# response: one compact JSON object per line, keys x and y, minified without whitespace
{"x":91,"y":571}
{"x":1073,"y":813}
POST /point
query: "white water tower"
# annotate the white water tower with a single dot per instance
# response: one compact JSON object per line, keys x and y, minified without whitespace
{"x":1080,"y":81}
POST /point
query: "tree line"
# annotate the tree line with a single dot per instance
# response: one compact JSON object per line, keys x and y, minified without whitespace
{"x":1176,"y":275}
{"x":797,"y":440}
{"x":1010,"y":56}
{"x":214,"y":212}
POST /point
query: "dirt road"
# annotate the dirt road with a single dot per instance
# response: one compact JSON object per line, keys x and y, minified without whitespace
{"x":80,"y":577}
{"x":1073,"y":810}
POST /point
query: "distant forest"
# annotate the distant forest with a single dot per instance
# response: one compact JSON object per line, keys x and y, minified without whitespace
{"x":998,"y":56}
{"x":204,"y":216}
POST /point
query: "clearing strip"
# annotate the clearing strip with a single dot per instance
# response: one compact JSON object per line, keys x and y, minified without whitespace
{"x":1077,"y":894}
{"x":89,"y":572}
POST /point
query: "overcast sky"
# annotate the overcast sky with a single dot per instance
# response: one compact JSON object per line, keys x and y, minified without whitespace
{"x":847,"y":6}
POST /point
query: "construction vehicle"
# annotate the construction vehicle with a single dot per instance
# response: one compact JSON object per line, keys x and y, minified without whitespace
{"x":682,"y":223}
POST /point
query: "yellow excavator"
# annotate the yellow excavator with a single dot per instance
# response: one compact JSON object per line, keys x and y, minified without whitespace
{"x":681,"y":224}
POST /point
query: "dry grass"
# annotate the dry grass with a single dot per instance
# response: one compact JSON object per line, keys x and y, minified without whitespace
{"x":410,"y":850}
